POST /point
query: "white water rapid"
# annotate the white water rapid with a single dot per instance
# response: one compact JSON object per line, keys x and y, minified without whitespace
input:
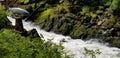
{"x":74,"y":47}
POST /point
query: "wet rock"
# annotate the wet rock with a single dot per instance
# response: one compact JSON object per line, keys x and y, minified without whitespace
{"x":19,"y":27}
{"x":33,"y":34}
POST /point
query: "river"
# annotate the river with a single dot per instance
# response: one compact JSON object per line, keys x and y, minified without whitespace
{"x":73,"y":47}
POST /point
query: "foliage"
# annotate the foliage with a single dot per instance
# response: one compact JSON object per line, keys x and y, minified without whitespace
{"x":96,"y":18}
{"x":107,"y":2}
{"x":46,"y":15}
{"x":91,"y":53}
{"x":85,"y":9}
{"x":3,"y":18}
{"x":13,"y":45}
{"x":24,"y":1}
{"x":63,"y":8}
{"x":115,"y":5}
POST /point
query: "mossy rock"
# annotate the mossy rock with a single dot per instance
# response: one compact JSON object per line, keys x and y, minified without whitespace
{"x":116,"y":43}
{"x":117,"y":25}
{"x":91,"y":33}
{"x":49,"y":24}
{"x":78,"y":31}
{"x":46,"y":17}
{"x":56,"y":27}
{"x":109,"y":23}
{"x":65,"y":28}
{"x":63,"y":7}
{"x":113,"y":41}
{"x":57,"y":24}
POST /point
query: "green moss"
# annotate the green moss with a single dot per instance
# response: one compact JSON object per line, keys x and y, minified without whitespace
{"x":78,"y":31}
{"x":85,"y":9}
{"x":46,"y":16}
{"x":93,"y":15}
{"x":25,"y":1}
{"x":63,"y":7}
{"x":49,"y":24}
{"x":114,"y":5}
{"x":63,"y":29}
{"x":91,"y":33}
{"x":57,"y":24}
{"x":99,"y":12}
{"x":55,"y":28}
{"x":116,"y":43}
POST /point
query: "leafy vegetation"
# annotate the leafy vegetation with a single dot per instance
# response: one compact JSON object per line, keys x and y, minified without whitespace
{"x":91,"y":53}
{"x":77,"y":18}
{"x":3,"y":18}
{"x":81,"y":18}
{"x":13,"y":45}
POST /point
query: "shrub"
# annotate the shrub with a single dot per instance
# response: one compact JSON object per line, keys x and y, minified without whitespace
{"x":13,"y":45}
{"x":3,"y":18}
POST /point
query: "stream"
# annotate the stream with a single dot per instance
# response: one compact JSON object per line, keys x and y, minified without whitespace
{"x":73,"y":47}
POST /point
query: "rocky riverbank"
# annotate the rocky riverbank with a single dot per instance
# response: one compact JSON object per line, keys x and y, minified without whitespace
{"x":79,"y":19}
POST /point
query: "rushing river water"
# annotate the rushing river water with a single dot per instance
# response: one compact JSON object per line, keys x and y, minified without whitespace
{"x":74,"y":47}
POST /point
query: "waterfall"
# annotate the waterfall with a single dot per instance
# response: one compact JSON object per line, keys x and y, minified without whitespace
{"x":73,"y":47}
